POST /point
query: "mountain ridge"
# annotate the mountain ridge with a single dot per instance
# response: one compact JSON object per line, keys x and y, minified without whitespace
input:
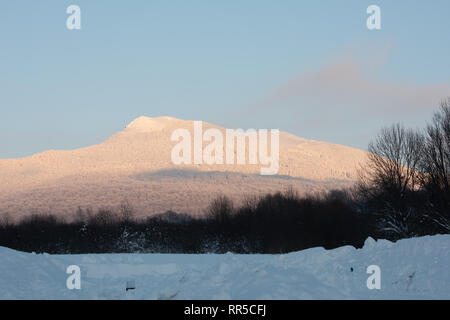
{"x":56,"y":179}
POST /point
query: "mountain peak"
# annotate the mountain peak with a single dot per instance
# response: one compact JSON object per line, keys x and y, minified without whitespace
{"x":148,"y":124}
{"x":136,"y":164}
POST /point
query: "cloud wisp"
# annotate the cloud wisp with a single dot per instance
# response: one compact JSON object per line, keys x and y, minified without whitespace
{"x":347,"y":82}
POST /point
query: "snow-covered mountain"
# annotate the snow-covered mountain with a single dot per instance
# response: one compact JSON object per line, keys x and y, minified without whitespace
{"x":135,"y":165}
{"x":414,"y":268}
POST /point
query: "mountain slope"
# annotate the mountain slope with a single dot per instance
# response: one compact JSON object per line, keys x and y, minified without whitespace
{"x":135,"y":165}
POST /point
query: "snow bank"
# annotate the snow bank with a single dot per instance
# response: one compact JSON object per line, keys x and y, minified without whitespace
{"x":416,"y":268}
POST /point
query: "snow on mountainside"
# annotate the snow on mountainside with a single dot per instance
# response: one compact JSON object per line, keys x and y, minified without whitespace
{"x":416,"y":268}
{"x":135,"y":165}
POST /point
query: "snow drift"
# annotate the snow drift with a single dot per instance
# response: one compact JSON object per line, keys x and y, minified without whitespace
{"x":416,"y":268}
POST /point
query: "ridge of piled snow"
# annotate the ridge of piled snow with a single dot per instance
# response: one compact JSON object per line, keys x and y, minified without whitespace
{"x":416,"y":268}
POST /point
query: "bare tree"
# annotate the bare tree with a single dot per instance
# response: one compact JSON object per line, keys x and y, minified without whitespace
{"x":390,"y":176}
{"x":436,"y":162}
{"x":221,"y":209}
{"x":393,"y":163}
{"x":126,"y":211}
{"x":436,"y":165}
{"x":401,"y":222}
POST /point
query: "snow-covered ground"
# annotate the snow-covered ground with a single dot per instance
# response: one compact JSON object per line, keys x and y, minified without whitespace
{"x":416,"y":268}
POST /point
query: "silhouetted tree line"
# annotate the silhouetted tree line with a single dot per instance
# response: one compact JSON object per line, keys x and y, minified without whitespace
{"x":403,"y":192}
{"x":275,"y":223}
{"x":405,"y":184}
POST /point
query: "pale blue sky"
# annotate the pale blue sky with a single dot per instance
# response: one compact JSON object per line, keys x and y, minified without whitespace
{"x":307,"y":67}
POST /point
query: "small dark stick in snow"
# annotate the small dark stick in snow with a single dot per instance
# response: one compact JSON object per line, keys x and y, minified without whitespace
{"x":130,"y":285}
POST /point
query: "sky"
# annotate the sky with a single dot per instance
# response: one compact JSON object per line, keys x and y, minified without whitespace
{"x":311,"y":68}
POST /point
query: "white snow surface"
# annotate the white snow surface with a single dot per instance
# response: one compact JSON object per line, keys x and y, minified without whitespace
{"x":417,"y":268}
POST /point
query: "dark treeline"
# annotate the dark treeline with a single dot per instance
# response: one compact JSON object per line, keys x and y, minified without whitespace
{"x":403,"y":191}
{"x":275,"y":223}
